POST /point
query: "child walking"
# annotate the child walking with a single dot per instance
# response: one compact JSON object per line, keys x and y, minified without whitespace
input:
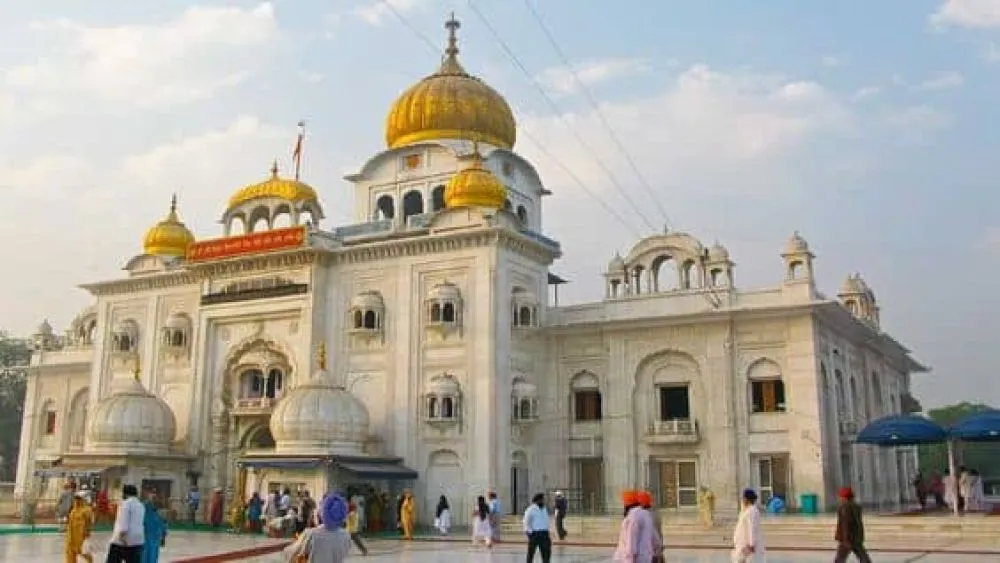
{"x":352,"y":528}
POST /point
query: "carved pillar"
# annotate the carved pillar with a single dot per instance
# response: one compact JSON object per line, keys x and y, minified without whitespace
{"x":218,"y":455}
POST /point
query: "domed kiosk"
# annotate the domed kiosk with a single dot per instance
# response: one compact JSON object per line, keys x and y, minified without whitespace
{"x":321,"y":435}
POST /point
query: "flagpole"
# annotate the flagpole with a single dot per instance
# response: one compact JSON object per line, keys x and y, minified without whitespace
{"x":297,"y":153}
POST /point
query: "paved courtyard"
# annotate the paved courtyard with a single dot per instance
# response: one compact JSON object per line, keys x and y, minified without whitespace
{"x":47,"y":548}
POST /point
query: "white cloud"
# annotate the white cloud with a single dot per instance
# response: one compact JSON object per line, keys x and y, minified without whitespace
{"x":830,"y":61}
{"x":376,"y":12}
{"x":311,"y":77}
{"x":968,"y":13}
{"x":865,"y":92}
{"x":943,"y":80}
{"x":560,"y":81}
{"x":189,"y":58}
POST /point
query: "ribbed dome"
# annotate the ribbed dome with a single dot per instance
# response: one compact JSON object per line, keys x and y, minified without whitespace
{"x":169,"y":237}
{"x":274,"y":187}
{"x":450,"y":104}
{"x":132,"y":420}
{"x":320,"y":415}
{"x":475,"y":186}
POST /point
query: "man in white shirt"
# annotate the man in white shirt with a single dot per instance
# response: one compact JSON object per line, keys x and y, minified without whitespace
{"x":536,"y":526}
{"x":748,"y":544}
{"x":128,"y":536}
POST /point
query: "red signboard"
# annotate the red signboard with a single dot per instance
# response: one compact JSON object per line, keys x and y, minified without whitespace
{"x":241,"y":245}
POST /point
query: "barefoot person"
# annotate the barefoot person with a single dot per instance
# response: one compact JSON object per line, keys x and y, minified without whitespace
{"x":748,"y":544}
{"x":536,"y":526}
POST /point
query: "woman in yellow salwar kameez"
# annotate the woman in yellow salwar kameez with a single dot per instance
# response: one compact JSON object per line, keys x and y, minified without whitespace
{"x":408,"y":514}
{"x":78,"y":526}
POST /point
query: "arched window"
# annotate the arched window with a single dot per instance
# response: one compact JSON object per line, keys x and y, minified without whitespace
{"x":522,"y":214}
{"x":587,"y":405}
{"x":275,"y":384}
{"x":442,"y":400}
{"x":252,"y":384}
{"x":448,"y":313}
{"x":767,"y":389}
{"x":370,"y":320}
{"x":413,"y":204}
{"x":437,"y":198}
{"x":435,"y":312}
{"x":447,"y":407}
{"x":385,"y":208}
{"x":359,"y":319}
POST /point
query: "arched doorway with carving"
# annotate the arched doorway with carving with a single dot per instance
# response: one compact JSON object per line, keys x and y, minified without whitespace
{"x":444,"y":477}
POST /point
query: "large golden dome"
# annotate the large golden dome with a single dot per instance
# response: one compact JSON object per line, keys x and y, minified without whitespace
{"x":450,"y":104}
{"x":475,"y":186}
{"x":169,"y":237}
{"x":274,"y":187}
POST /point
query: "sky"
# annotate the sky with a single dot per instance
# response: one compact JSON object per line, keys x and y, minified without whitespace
{"x":869,"y":127}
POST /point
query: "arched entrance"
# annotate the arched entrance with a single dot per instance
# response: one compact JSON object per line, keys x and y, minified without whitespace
{"x":444,"y":477}
{"x":520,"y":487}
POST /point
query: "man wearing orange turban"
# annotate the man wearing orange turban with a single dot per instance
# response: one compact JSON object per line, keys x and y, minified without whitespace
{"x":635,"y":540}
{"x":656,"y":524}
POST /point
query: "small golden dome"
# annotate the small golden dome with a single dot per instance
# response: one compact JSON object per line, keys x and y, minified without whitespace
{"x":274,"y":187}
{"x":475,"y":186}
{"x":450,"y":104}
{"x":169,"y":237}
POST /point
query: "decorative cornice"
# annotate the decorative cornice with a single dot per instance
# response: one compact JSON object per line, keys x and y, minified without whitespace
{"x":351,"y":252}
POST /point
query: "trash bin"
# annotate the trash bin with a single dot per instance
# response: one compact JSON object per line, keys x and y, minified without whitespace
{"x":809,"y":503}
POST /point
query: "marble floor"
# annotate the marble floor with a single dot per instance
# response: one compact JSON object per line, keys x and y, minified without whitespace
{"x":47,"y":548}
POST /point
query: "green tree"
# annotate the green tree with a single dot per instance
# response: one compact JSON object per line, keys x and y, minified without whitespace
{"x":984,"y":457}
{"x":15,"y":354}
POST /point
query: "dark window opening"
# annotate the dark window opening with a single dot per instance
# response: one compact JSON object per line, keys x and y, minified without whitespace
{"x":385,"y":208}
{"x":587,"y":405}
{"x":437,"y":198}
{"x":675,"y":403}
{"x":767,"y":395}
{"x":413,"y":204}
{"x":448,"y":313}
{"x":370,"y":320}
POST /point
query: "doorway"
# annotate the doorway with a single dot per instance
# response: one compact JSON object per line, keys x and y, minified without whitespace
{"x":520,"y":491}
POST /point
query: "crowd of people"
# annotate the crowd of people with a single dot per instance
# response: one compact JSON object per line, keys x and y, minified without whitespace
{"x":966,"y":493}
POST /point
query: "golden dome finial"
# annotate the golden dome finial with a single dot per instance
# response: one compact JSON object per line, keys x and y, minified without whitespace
{"x":321,"y":355}
{"x":452,"y":25}
{"x":274,"y":169}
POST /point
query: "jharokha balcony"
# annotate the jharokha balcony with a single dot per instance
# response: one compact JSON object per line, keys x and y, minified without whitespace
{"x":673,"y":431}
{"x":255,"y":405}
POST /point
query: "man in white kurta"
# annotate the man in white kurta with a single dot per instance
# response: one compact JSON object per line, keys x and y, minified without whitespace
{"x":635,"y":539}
{"x":748,"y":544}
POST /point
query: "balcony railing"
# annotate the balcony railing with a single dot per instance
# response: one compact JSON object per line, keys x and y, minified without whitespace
{"x":256,"y":404}
{"x":677,"y":430}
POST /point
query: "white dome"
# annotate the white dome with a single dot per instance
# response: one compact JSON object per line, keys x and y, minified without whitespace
{"x":718,"y":253}
{"x":617,"y":264}
{"x":446,"y":291}
{"x":320,"y":416}
{"x":132,"y":420}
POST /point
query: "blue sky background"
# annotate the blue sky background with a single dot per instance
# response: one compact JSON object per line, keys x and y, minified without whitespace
{"x":871,"y":127}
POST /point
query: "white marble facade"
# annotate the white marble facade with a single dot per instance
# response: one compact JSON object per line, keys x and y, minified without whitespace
{"x":438,"y":319}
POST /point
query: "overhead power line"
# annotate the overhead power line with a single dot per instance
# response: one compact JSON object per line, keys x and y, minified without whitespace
{"x":556,"y":110}
{"x":597,"y":109}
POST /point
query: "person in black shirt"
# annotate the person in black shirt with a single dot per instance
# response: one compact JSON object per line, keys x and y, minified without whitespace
{"x":561,"y":506}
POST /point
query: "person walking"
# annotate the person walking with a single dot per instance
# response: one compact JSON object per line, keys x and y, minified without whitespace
{"x":79,"y":523}
{"x":748,"y":543}
{"x":635,"y":541}
{"x":128,"y":536}
{"x":154,"y":529}
{"x":328,"y":543}
{"x":354,"y":529}
{"x":850,"y":532}
{"x":482,"y":528}
{"x":656,"y":522}
{"x":561,"y":507}
{"x":495,"y":514}
{"x":442,"y":516}
{"x":536,"y":527}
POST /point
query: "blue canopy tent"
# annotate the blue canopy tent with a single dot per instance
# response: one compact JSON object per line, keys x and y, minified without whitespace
{"x":979,"y":427}
{"x":906,"y":430}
